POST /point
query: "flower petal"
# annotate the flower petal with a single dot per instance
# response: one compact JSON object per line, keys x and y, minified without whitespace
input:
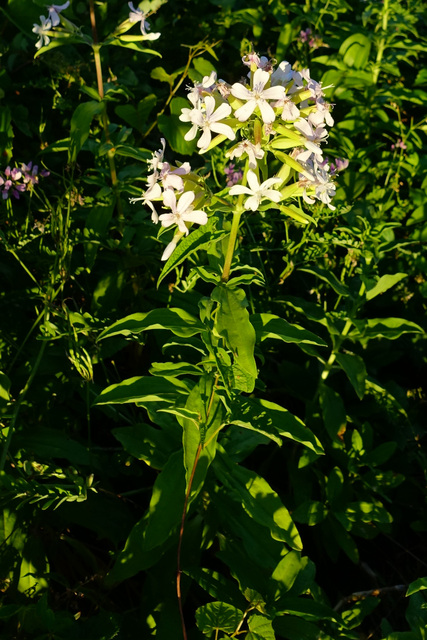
{"x":197,"y":216}
{"x":253,"y":181}
{"x":245,"y":112}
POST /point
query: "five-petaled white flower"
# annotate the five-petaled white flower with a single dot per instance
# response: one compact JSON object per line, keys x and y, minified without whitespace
{"x":43,"y":31}
{"x":257,"y":191}
{"x":137,"y":15}
{"x":253,"y":151}
{"x":182,"y":211}
{"x":55,"y":10}
{"x":207,"y":120}
{"x":153,"y":193}
{"x":257,"y":97}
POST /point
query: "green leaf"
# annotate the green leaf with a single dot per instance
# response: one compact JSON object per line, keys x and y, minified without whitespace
{"x":384,"y":283}
{"x":260,"y":628}
{"x":233,"y":324}
{"x":388,"y":328}
{"x":330,"y":278}
{"x":355,"y":50}
{"x":81,"y":121}
{"x":200,"y":238}
{"x":141,"y":390}
{"x":146,"y":443}
{"x":206,"y":404}
{"x":174,"y":369}
{"x":146,"y":541}
{"x":95,"y":230}
{"x":4,"y":389}
{"x":355,"y":369}
{"x":258,"y":500}
{"x":272,"y":420}
{"x":177,"y":320}
{"x":417,"y":585}
{"x":310,"y":512}
{"x":286,"y":572}
{"x":270,"y":326}
{"x":334,"y":414}
{"x":218,"y":616}
{"x":294,"y":628}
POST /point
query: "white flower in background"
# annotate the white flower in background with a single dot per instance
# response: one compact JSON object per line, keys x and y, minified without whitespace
{"x":208,"y":121}
{"x":257,"y":97}
{"x":156,"y":161}
{"x":206,"y":85}
{"x":256,"y":191}
{"x":317,"y":180}
{"x":153,"y":193}
{"x":171,"y":178}
{"x":322,"y":114}
{"x":253,"y":151}
{"x":182,"y":211}
{"x":55,"y":10}
{"x":253,"y":58}
{"x":290,"y":110}
{"x":314,"y":137}
{"x":282,"y":75}
{"x":137,"y":15}
{"x":42,"y":30}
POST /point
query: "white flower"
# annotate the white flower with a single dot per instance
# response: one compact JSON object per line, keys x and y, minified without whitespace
{"x":171,"y":178}
{"x":257,"y":97}
{"x":257,"y":191}
{"x":153,"y":193}
{"x":42,"y":30}
{"x":206,"y":85}
{"x":322,"y":114}
{"x":208,"y":120}
{"x":169,"y":249}
{"x":137,"y":15}
{"x":182,"y":211}
{"x":282,"y":75}
{"x":290,"y":110}
{"x":55,"y":10}
{"x":253,"y":151}
{"x":156,"y":161}
{"x":314,"y":136}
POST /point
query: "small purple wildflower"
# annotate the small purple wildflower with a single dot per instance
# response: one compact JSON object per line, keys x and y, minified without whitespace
{"x":398,"y":145}
{"x":15,"y":181}
{"x":304,"y":35}
{"x":233,"y":175}
{"x":340,"y":164}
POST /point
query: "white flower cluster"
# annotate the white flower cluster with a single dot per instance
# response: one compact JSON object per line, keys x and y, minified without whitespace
{"x":275,"y":111}
{"x":166,"y":184}
{"x":44,"y":30}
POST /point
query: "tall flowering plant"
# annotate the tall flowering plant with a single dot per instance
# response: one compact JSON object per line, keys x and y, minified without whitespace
{"x":274,"y":122}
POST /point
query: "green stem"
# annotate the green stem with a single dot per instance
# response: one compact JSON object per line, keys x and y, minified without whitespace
{"x":18,"y":405}
{"x":382,"y":42}
{"x":237,"y":214}
{"x":328,"y":366}
{"x":98,"y":67}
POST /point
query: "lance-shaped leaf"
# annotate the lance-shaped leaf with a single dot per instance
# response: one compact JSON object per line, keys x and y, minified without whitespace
{"x":141,"y":390}
{"x":233,"y":324}
{"x":330,"y":278}
{"x":389,"y":328}
{"x":354,"y":367}
{"x":199,"y":238}
{"x":177,"y":320}
{"x":384,"y":283}
{"x":272,"y":420}
{"x":258,"y":500}
{"x":270,"y":326}
{"x":81,"y":121}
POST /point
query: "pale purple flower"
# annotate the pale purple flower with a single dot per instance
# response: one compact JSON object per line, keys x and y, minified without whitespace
{"x":207,"y":85}
{"x":182,"y":211}
{"x":304,"y":35}
{"x":340,"y":164}
{"x":137,"y":15}
{"x":253,"y":151}
{"x":256,"y":191}
{"x":55,"y":10}
{"x":257,"y":97}
{"x":233,"y":175}
{"x":398,"y":145}
{"x":43,"y":31}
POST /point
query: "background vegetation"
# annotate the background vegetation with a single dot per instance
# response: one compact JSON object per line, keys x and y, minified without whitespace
{"x":92,"y":485}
